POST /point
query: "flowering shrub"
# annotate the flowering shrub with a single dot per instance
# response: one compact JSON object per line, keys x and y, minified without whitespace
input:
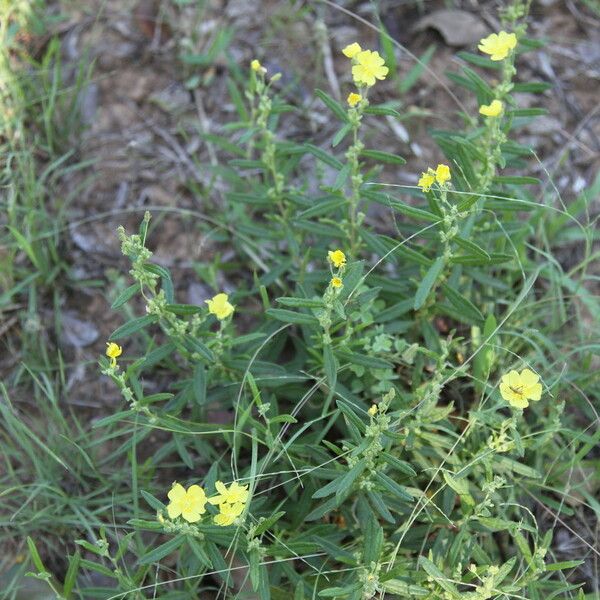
{"x":355,"y":401}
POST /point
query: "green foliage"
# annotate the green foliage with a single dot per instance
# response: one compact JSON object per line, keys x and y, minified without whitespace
{"x":356,"y":399}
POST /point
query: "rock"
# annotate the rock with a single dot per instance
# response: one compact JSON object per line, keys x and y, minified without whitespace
{"x":457,"y":27}
{"x":76,"y":332}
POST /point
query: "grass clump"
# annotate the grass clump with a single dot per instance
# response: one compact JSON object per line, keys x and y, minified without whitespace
{"x":371,"y":412}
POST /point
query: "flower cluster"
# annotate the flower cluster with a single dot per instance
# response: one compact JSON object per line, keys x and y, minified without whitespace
{"x":498,"y":45}
{"x":518,"y":388}
{"x":337,"y":259}
{"x":441,"y":175}
{"x":231,"y":502}
{"x":190,"y":504}
{"x":367,"y":66}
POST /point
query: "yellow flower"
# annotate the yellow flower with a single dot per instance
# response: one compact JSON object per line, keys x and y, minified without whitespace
{"x":190,"y":505}
{"x":369,"y":67}
{"x":353,"y":99}
{"x":220,"y":306}
{"x":518,"y":388}
{"x":498,"y":45}
{"x":336,"y":282}
{"x":257,"y":67}
{"x":491,"y":110}
{"x":229,"y":513}
{"x":427,"y":180}
{"x":113,"y":351}
{"x":442,"y":174}
{"x":352,"y":50}
{"x":337,"y":258}
{"x":373,"y":410}
{"x":236,"y":494}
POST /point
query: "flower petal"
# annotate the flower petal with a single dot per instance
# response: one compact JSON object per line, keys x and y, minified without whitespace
{"x":191,"y":515}
{"x":174,"y":510}
{"x":534,"y":392}
{"x":177,"y":492}
{"x":529,"y":378}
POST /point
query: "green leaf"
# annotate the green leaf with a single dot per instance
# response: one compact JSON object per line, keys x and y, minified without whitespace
{"x":372,"y":540}
{"x":349,"y":478}
{"x":394,"y":488}
{"x":335,"y":107}
{"x":193,"y":344}
{"x":471,"y":247}
{"x":337,"y":592}
{"x":321,"y":155}
{"x":439,"y":578}
{"x":327,"y":490}
{"x":301,"y":302}
{"x":162,"y":550}
{"x":184,"y":309}
{"x":380,"y":506}
{"x":516,"y":180}
{"x":330,"y":366}
{"x":155,"y":503}
{"x":132,"y":326}
{"x":144,"y":524}
{"x":199,"y":384}
{"x":414,"y":74}
{"x":385,"y":157}
{"x":125,"y":295}
{"x":403,"y":589}
{"x":527,"y":112}
{"x":370,"y":362}
{"x":428,"y":282}
{"x":289,"y":316}
{"x":268,"y":523}
{"x":474,"y":261}
{"x":341,"y":134}
{"x":71,"y":576}
{"x":322,"y":206}
{"x":399,"y":465}
{"x":480,"y":61}
{"x":532,"y":87}
{"x":381,"y":109}
{"x":462,"y":303}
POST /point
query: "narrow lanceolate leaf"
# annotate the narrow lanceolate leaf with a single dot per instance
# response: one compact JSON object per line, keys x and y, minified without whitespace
{"x":386,"y":157}
{"x":371,"y":362}
{"x":126,"y":295}
{"x":321,"y":155}
{"x":472,"y":260}
{"x":195,"y":345}
{"x":516,"y":180}
{"x":439,"y":578}
{"x":268,"y":523}
{"x":462,"y":304}
{"x":289,"y":316}
{"x":428,"y":282}
{"x":394,"y":488}
{"x":330,"y":365}
{"x":335,"y":107}
{"x":301,"y":302}
{"x":132,"y":326}
{"x":162,"y":550}
{"x":471,"y":247}
{"x":349,"y":478}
